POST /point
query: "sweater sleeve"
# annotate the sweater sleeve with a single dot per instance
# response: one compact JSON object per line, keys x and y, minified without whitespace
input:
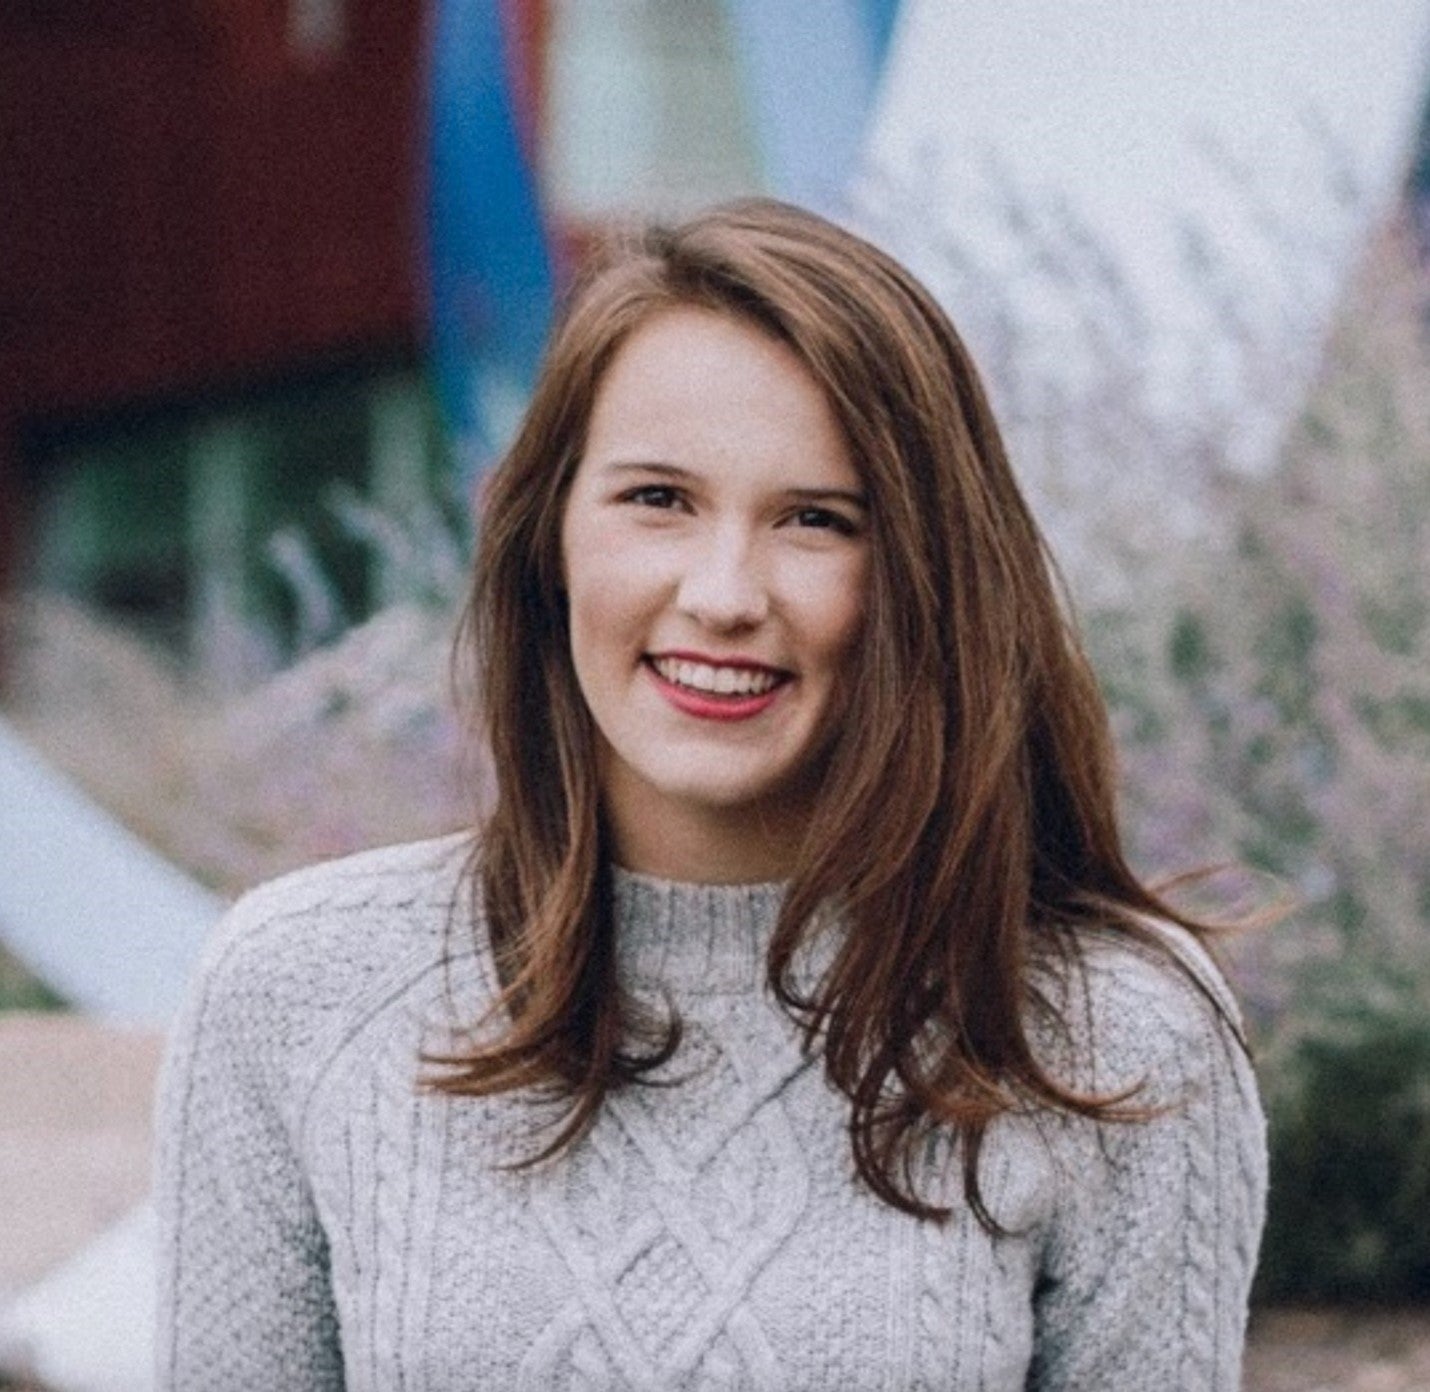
{"x":244,"y":1295}
{"x":1148,"y":1261}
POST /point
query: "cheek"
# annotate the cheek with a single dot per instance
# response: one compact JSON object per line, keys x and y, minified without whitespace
{"x":837,"y":609}
{"x":604,"y":607}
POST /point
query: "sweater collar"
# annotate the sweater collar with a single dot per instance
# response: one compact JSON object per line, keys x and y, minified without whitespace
{"x":697,"y":938}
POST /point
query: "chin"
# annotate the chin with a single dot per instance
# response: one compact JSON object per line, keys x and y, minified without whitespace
{"x":723,"y":797}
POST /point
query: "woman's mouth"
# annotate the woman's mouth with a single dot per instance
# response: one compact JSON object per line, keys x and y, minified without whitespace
{"x":713,"y":680}
{"x":716,"y":691}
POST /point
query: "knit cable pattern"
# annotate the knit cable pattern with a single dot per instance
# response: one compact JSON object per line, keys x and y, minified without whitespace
{"x":327,"y":1225}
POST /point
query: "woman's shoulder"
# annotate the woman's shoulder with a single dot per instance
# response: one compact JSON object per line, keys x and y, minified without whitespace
{"x":300,"y":957}
{"x":396,"y":876}
{"x":1143,"y":1003}
{"x":392,"y":899}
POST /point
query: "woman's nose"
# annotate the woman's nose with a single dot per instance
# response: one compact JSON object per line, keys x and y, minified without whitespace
{"x":722,"y":586}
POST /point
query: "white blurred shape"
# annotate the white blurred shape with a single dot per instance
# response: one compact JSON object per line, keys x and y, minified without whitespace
{"x":88,"y":1326}
{"x":1266,"y":126}
{"x":86,"y":905}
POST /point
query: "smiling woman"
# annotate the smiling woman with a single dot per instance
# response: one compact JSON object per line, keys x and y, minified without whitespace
{"x":793,"y":1020}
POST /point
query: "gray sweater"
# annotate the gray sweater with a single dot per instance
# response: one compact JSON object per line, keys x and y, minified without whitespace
{"x":324,"y":1225}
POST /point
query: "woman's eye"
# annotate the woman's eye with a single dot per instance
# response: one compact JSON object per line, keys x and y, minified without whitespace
{"x":653,"y":495}
{"x":825,"y":519}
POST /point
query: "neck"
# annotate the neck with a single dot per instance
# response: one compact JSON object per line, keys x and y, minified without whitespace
{"x":707,"y":847}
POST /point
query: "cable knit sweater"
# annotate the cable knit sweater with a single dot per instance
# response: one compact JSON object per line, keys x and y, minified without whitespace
{"x":325,"y":1225}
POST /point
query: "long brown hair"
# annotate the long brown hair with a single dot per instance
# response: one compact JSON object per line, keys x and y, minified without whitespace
{"x":967,"y":815}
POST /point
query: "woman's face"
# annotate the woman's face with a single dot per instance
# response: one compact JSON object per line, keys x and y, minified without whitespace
{"x":715,"y":550}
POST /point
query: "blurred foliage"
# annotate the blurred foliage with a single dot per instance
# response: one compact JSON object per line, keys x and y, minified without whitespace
{"x":1348,"y":1094}
{"x":20,"y":990}
{"x":245,"y":514}
{"x":1292,"y":675}
{"x":352,"y":747}
{"x":1291,"y":683}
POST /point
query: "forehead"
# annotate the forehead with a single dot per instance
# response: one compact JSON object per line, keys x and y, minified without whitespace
{"x":693,"y":380}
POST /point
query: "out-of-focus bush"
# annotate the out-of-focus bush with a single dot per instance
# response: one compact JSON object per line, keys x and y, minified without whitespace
{"x":1349,"y":1095}
{"x":1279,"y":710}
{"x":1279,"y":706}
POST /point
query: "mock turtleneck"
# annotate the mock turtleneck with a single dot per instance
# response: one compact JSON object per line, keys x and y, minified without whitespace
{"x":687,"y":937}
{"x":326,"y":1224}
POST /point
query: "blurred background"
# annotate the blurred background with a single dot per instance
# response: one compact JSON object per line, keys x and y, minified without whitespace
{"x":274,"y":279}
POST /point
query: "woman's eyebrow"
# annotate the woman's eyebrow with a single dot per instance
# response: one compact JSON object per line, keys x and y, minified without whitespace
{"x":827,"y":495}
{"x":645,"y":466}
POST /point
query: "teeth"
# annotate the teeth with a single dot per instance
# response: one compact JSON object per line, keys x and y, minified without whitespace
{"x":719,"y":681}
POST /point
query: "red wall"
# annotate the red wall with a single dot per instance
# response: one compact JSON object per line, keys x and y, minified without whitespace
{"x":184,"y":200}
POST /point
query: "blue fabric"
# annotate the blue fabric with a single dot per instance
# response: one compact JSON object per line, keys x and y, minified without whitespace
{"x":490,"y":274}
{"x":810,"y":84}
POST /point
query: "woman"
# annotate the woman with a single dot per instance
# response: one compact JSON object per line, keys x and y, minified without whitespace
{"x":795,"y":1020}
